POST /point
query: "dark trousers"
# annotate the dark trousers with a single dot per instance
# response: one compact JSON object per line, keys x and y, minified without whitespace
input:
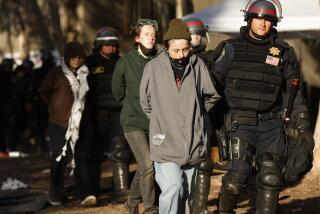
{"x":108,"y":129}
{"x":3,"y":127}
{"x":266,"y":141}
{"x":84,"y":184}
{"x":267,"y":137}
{"x":107,"y":132}
{"x":143,"y":184}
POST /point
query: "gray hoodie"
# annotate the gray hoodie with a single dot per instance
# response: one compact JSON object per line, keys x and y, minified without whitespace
{"x":178,"y":131}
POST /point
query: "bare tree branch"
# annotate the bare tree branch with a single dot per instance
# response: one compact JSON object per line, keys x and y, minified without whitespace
{"x":56,"y":33}
{"x":46,"y":39}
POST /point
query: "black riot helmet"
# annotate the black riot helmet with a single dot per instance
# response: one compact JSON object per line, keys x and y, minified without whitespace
{"x":268,"y":9}
{"x":106,"y":36}
{"x":196,"y":26}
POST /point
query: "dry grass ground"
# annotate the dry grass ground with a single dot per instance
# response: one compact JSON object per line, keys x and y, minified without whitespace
{"x":34,"y":171}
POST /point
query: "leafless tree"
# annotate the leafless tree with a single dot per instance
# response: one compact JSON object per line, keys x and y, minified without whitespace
{"x":38,"y":20}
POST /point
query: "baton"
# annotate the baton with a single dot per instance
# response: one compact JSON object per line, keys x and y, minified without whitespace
{"x":293,"y":93}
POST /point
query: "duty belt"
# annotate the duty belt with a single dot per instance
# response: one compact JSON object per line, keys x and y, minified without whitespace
{"x":239,"y":117}
{"x":268,"y":115}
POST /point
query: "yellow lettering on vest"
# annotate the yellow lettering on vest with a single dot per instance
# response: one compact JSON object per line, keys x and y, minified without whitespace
{"x":98,"y":70}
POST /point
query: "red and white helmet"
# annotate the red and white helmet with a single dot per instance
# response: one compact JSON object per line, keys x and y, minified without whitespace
{"x":268,"y":9}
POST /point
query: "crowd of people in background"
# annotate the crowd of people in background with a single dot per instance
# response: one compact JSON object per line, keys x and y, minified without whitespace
{"x":161,"y":107}
{"x":23,"y":114}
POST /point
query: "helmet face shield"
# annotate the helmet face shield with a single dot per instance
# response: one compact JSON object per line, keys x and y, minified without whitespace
{"x":198,"y":32}
{"x":106,"y":36}
{"x":268,"y":9}
{"x":196,"y":26}
{"x":154,"y":23}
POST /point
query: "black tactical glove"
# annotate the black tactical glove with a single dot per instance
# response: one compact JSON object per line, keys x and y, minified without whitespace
{"x":223,"y":143}
{"x":304,"y":134}
{"x":300,"y":149}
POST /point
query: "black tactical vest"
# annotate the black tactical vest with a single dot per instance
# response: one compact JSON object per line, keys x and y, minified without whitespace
{"x":255,"y":78}
{"x":102,"y":71}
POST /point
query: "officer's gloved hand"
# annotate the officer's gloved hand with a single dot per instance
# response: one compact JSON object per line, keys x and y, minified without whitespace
{"x":300,"y":149}
{"x":304,"y":134}
{"x":223,"y":141}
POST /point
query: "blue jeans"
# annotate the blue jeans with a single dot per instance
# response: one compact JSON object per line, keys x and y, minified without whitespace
{"x":143,"y":182}
{"x":177,"y":185}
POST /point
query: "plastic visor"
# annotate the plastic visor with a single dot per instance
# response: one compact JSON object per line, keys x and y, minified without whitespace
{"x":107,"y":38}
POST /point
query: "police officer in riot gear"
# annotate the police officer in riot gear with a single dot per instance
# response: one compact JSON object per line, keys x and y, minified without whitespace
{"x":199,"y":42}
{"x":256,"y":70}
{"x":106,"y":110}
{"x":198,"y":31}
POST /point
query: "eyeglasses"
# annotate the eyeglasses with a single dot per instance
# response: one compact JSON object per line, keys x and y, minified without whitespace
{"x":142,"y":22}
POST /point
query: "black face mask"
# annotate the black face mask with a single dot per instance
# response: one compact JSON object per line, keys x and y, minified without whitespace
{"x":179,"y":63}
{"x":146,"y":51}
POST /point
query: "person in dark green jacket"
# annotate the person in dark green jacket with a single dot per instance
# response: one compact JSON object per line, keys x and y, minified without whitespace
{"x":125,"y":88}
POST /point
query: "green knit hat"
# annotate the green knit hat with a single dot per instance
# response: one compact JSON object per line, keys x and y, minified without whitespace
{"x":177,"y":30}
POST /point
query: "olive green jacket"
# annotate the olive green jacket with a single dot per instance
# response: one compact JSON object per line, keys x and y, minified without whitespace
{"x":125,"y":88}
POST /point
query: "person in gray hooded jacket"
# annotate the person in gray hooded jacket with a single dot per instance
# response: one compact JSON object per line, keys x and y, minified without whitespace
{"x":176,"y":92}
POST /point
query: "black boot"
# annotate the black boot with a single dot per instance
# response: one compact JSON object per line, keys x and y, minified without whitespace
{"x":269,"y":182}
{"x":120,"y":172}
{"x":267,"y":201}
{"x":227,"y":202}
{"x":199,"y":205}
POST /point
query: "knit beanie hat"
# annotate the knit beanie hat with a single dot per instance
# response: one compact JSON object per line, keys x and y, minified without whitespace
{"x":73,"y":49}
{"x":177,"y":30}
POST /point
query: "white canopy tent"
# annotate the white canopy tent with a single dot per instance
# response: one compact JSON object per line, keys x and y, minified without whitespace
{"x":226,"y":17}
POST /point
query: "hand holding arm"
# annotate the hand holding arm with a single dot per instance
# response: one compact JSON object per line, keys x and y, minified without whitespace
{"x":144,"y":92}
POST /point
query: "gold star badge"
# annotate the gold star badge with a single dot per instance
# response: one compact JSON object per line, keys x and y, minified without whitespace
{"x":274,"y":51}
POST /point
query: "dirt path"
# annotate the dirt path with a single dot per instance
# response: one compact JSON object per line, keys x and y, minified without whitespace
{"x":34,"y":171}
